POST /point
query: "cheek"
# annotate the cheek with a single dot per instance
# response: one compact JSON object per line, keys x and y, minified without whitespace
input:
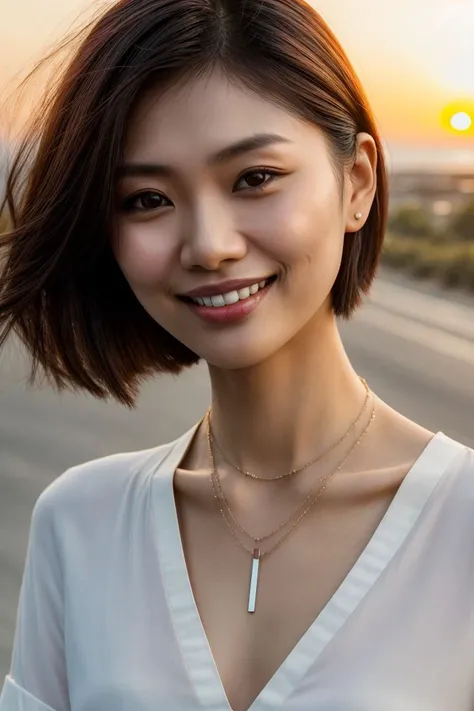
{"x":302,"y":223}
{"x":144,"y":254}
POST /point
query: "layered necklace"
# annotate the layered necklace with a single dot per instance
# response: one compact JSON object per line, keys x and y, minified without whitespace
{"x":284,"y":528}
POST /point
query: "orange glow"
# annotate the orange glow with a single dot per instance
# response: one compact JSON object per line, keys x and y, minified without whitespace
{"x":415,"y":58}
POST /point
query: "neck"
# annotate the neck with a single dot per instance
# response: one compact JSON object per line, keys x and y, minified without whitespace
{"x":280,"y":414}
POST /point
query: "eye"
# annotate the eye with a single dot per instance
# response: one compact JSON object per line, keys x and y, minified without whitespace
{"x":256,"y":179}
{"x":145,"y":202}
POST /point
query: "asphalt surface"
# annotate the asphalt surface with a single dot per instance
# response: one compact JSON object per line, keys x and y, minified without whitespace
{"x":414,"y":346}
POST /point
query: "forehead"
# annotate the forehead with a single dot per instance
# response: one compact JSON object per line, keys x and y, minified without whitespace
{"x":205,"y":113}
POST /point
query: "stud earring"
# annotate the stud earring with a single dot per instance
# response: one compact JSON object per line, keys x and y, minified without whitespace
{"x":358,"y":216}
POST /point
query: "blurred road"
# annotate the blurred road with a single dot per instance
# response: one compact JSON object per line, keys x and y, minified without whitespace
{"x":415,"y":348}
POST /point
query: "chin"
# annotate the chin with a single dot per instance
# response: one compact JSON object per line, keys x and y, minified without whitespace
{"x":238,"y":357}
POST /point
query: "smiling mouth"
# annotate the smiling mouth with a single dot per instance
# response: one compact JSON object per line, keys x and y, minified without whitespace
{"x":218,"y":301}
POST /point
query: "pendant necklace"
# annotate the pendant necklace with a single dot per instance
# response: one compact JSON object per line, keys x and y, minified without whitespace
{"x":255,"y":551}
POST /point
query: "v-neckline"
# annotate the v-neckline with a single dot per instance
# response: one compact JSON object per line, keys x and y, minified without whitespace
{"x":398,"y":521}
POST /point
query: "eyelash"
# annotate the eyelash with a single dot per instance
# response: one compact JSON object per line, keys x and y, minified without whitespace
{"x":128,"y":203}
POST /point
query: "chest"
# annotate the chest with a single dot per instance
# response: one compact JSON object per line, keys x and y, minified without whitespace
{"x":397,"y":626}
{"x":296,"y":581}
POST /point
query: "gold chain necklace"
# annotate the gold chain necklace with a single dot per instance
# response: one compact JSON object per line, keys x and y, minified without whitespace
{"x":259,"y":539}
{"x":219,"y":494}
{"x":292,"y":472}
{"x":255,"y":552}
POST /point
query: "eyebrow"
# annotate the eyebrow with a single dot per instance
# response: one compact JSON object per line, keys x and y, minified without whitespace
{"x":245,"y":145}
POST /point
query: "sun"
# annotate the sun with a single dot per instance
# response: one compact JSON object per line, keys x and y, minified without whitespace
{"x":461,"y":121}
{"x":458,"y":117}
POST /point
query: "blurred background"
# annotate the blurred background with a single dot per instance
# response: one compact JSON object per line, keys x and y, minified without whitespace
{"x":414,"y":338}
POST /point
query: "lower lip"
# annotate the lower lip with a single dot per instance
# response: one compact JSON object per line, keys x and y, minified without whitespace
{"x":233,"y":312}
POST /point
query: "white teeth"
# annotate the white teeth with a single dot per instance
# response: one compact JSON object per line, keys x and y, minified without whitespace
{"x":218,"y":300}
{"x":231,"y":297}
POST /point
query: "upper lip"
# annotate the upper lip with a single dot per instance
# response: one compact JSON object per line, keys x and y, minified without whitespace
{"x":223,"y":287}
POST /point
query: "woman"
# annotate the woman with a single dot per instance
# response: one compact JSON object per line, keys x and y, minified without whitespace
{"x":210,"y":184}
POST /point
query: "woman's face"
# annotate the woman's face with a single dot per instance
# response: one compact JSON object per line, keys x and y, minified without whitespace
{"x":220,"y":185}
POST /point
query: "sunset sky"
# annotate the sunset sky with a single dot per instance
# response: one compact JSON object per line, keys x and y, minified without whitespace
{"x":415,"y":57}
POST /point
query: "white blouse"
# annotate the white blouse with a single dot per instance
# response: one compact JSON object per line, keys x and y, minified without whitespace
{"x":107,"y":620}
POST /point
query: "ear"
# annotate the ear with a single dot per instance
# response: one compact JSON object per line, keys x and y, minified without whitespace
{"x":362,"y":183}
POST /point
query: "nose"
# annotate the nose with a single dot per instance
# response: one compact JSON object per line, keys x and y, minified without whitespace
{"x":211,"y":238}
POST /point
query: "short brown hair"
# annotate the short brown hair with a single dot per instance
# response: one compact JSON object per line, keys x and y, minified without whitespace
{"x":61,"y":288}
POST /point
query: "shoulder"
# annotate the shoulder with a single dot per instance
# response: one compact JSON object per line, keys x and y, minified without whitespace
{"x":455,"y":461}
{"x":92,"y":489}
{"x":459,"y":455}
{"x":466,"y":462}
{"x":450,"y":454}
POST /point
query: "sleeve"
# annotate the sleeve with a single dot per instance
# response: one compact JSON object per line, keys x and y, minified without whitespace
{"x":37,"y":680}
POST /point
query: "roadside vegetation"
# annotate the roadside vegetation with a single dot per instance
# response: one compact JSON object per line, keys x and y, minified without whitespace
{"x":419,"y":248}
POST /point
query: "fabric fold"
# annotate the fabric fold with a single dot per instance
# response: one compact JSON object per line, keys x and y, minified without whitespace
{"x":15,"y":698}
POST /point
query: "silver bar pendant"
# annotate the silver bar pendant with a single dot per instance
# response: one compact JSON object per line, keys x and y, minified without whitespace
{"x":254,"y":580}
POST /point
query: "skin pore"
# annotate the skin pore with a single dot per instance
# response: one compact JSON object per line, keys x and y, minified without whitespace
{"x":283,"y":389}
